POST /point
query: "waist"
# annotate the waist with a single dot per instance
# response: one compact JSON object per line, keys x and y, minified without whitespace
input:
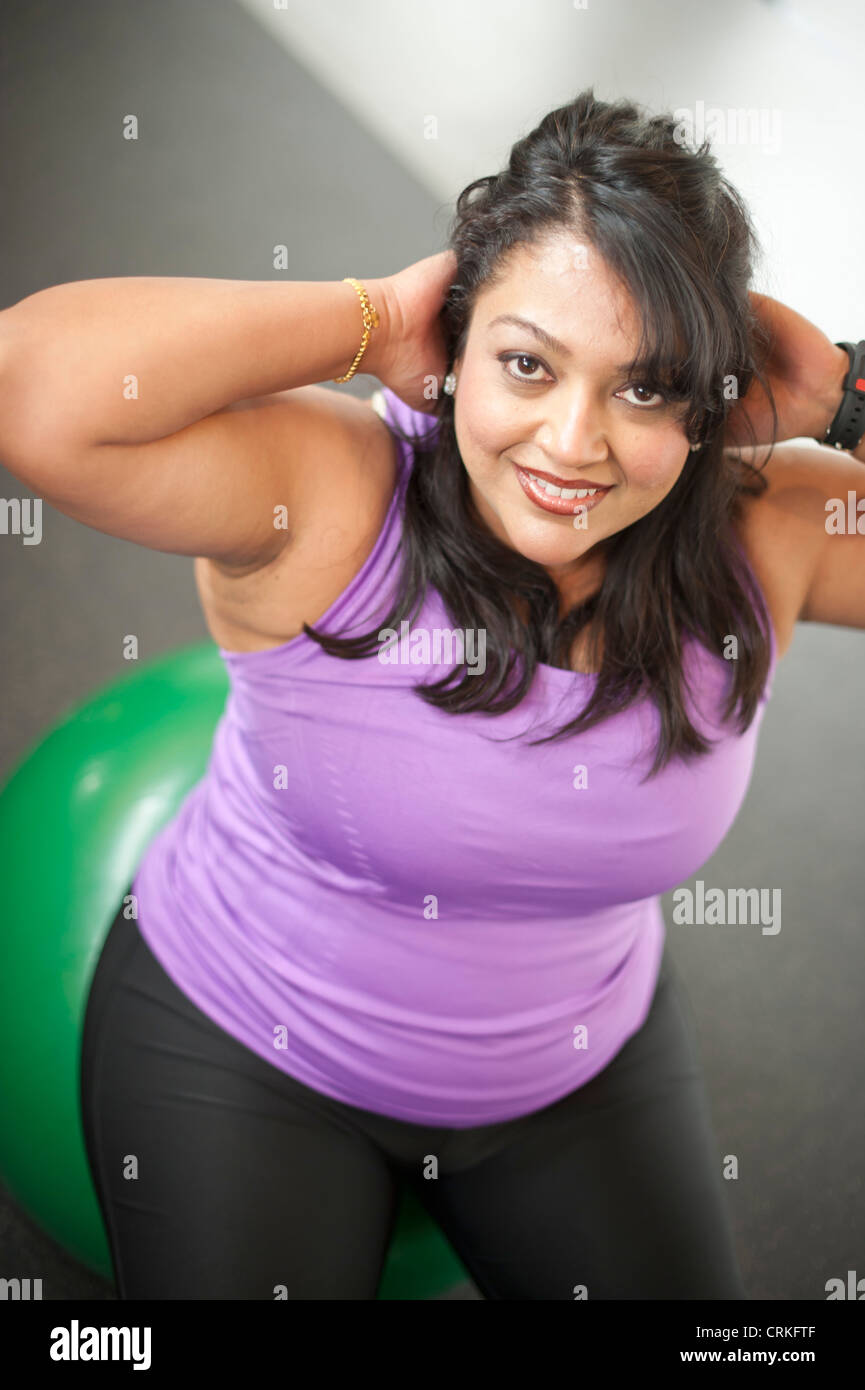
{"x":437,"y":1014}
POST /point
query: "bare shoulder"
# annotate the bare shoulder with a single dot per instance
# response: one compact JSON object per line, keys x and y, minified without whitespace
{"x":782,"y":528}
{"x":325,"y":436}
{"x":338,"y":498}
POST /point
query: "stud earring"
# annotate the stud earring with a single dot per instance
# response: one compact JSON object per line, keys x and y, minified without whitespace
{"x":450,"y":382}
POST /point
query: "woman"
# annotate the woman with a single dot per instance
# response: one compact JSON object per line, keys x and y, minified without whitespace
{"x":498,"y":655}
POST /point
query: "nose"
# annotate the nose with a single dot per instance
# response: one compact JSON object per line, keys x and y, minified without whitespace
{"x":572,"y":433}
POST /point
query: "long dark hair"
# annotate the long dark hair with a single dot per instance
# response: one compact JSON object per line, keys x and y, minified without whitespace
{"x":662,"y":215}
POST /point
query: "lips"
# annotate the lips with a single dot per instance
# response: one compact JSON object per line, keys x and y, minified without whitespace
{"x":563,"y":482}
{"x":560,"y":496}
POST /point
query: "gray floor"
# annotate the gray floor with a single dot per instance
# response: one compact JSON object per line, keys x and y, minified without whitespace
{"x":240,"y":149}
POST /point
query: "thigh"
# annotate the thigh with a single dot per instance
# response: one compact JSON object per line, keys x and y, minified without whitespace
{"x":217,"y":1175}
{"x":615,"y":1190}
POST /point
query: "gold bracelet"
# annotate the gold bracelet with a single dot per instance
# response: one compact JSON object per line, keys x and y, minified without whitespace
{"x":370,"y":321}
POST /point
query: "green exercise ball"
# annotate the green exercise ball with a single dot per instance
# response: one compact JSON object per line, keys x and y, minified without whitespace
{"x":76,"y":815}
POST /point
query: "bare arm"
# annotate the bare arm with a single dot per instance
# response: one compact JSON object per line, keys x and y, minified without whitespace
{"x":125,"y":403}
{"x":129,"y":361}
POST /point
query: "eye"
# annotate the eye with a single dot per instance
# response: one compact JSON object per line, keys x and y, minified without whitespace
{"x":520,"y":357}
{"x":645,"y":405}
{"x":534,"y":363}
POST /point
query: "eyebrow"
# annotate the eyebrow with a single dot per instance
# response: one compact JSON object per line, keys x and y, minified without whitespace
{"x":553,"y":344}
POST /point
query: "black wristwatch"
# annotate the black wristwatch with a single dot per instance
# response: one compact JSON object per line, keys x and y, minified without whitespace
{"x":848,"y":426}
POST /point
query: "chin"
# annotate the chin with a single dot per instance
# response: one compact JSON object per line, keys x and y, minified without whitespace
{"x":547,"y":544}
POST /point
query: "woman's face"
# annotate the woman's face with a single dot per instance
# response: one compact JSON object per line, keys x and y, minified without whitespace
{"x":569,"y":414}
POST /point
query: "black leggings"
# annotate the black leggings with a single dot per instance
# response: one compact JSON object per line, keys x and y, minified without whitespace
{"x":219,"y":1176}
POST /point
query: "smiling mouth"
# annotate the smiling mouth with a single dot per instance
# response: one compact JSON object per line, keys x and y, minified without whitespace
{"x":561,"y":501}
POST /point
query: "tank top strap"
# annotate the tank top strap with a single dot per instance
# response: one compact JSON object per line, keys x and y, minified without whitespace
{"x":354,"y":609}
{"x":402,"y":420}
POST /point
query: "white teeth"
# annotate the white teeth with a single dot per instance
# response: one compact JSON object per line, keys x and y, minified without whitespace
{"x":568,"y":493}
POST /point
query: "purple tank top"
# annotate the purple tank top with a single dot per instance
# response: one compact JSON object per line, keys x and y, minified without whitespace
{"x":402,"y":910}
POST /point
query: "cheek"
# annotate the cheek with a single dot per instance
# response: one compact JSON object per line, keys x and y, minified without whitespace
{"x":487,"y":421}
{"x":654,"y":465}
{"x":482,"y":438}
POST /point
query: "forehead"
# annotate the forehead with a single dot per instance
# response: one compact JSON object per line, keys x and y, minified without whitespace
{"x":564,"y":285}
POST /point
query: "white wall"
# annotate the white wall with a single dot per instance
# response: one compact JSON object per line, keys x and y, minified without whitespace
{"x":487,"y":70}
